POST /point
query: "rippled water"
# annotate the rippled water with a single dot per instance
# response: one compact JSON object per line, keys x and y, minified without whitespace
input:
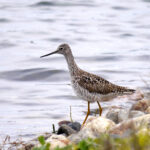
{"x":109,"y":38}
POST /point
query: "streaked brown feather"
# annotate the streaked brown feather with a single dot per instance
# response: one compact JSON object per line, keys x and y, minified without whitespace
{"x":96,"y":84}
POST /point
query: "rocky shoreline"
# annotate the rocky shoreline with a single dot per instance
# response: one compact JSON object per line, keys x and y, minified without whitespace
{"x":117,"y":122}
{"x":94,"y":127}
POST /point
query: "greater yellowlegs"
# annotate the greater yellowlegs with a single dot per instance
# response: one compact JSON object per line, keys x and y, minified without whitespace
{"x":88,"y":86}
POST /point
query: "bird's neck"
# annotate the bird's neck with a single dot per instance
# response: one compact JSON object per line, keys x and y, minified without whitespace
{"x":73,"y":68}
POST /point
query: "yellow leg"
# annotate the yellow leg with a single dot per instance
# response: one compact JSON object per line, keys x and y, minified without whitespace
{"x":88,"y":112}
{"x":100,"y":108}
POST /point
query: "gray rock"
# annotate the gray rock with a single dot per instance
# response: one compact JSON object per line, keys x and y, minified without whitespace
{"x":117,"y":115}
{"x":131,"y":124}
{"x":112,"y":114}
{"x":65,"y":129}
{"x":75,"y":125}
{"x":135,"y":113}
{"x":68,"y":128}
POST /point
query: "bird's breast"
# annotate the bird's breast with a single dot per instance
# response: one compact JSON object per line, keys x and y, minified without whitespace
{"x":84,"y":93}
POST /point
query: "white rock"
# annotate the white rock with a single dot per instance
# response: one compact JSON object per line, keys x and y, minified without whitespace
{"x":57,"y":140}
{"x":98,"y":124}
{"x":93,"y":128}
{"x":148,"y":110}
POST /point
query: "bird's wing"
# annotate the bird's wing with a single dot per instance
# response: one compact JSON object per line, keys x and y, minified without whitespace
{"x":96,"y":84}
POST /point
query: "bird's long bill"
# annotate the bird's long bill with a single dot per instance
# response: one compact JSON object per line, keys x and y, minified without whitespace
{"x":49,"y":54}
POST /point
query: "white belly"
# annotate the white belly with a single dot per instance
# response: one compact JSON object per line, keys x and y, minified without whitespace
{"x":85,"y":94}
{"x":91,"y":97}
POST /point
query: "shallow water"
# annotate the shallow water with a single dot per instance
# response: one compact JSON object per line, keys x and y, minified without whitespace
{"x":108,"y":38}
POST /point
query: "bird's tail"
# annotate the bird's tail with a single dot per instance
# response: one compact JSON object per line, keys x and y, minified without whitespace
{"x":130,"y":91}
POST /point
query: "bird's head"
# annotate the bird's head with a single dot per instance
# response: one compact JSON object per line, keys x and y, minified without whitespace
{"x":63,"y":49}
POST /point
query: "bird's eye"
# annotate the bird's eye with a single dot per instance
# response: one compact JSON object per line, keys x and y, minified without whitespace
{"x":60,"y":48}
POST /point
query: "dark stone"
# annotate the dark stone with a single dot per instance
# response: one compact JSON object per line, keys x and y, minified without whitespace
{"x":65,"y":129}
{"x":68,"y":128}
{"x":75,"y":125}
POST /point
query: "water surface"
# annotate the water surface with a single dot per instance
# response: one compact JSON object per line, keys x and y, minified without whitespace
{"x":109,"y":38}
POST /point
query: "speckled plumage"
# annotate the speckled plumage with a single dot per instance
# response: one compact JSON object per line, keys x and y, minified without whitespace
{"x":88,"y":86}
{"x":93,"y":88}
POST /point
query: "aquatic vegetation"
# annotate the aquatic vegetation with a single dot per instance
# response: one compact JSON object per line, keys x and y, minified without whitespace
{"x":134,"y":141}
